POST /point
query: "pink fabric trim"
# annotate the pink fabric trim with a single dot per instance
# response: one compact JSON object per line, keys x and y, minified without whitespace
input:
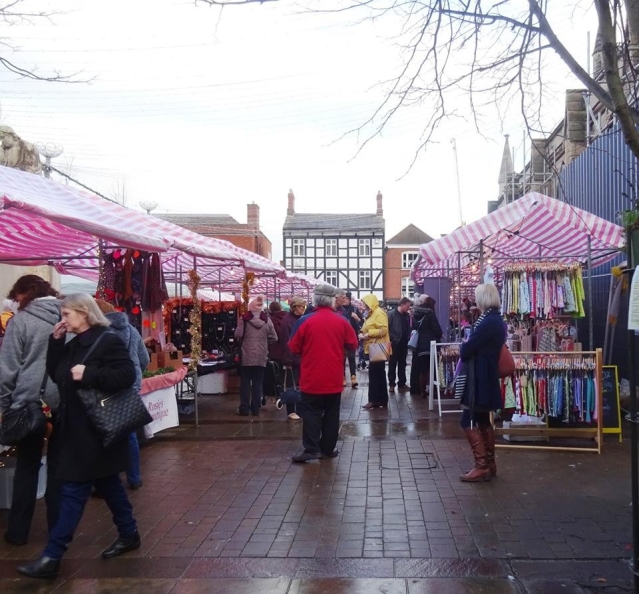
{"x":166,"y":380}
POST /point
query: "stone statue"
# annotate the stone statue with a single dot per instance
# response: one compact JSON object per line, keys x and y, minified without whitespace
{"x":18,"y":153}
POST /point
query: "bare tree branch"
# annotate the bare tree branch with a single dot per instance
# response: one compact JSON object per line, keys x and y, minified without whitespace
{"x":233,"y":2}
{"x":492,"y":51}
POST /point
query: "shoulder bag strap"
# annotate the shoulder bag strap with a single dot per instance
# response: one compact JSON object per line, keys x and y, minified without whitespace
{"x":93,"y":347}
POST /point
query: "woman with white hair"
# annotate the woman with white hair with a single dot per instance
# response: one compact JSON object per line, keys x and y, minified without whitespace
{"x":482,"y":394}
{"x":95,"y":358}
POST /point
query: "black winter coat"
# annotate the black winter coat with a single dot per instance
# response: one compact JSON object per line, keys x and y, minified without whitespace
{"x":81,"y":457}
{"x":425,"y":320}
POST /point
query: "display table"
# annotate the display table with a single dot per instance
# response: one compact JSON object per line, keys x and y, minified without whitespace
{"x":158,"y":395}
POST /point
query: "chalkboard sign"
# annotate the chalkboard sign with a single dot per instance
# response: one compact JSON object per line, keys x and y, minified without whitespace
{"x":610,"y":392}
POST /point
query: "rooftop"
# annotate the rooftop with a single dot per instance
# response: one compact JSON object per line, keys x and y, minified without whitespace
{"x":336,"y":222}
{"x":410,"y":235}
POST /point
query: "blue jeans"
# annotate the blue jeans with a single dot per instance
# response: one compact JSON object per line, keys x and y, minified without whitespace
{"x":251,"y":388}
{"x":73,"y":500}
{"x":133,"y":473}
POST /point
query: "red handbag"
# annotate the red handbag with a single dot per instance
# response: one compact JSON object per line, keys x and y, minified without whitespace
{"x":506,"y":363}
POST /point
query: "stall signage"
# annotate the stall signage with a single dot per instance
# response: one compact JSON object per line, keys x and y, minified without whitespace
{"x":162,"y":407}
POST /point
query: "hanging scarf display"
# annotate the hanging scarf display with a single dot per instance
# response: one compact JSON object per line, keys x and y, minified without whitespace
{"x":448,"y":358}
{"x":543,"y":290}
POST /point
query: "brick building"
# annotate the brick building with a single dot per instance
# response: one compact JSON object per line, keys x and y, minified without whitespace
{"x":245,"y":235}
{"x":400,"y":253}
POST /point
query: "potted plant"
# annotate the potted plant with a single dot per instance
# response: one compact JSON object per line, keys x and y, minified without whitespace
{"x":630,"y":221}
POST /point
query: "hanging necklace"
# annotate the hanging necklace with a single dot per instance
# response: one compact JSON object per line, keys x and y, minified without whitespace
{"x":219,"y":331}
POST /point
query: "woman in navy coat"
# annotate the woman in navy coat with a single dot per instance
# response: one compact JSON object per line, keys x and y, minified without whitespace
{"x":483,"y":392}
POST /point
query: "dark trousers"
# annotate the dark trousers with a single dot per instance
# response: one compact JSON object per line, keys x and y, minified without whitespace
{"x":25,"y":488}
{"x":74,"y":497}
{"x":320,"y":415}
{"x":352,"y":365}
{"x":397,"y":365}
{"x":291,"y":380}
{"x":251,"y":389}
{"x":377,"y":388}
{"x":414,"y":374}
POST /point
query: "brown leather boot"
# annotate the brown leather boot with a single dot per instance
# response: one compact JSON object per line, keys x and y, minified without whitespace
{"x":481,"y":472}
{"x":488,"y":435}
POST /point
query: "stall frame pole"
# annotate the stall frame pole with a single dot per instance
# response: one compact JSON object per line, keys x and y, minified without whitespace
{"x":634,"y":457}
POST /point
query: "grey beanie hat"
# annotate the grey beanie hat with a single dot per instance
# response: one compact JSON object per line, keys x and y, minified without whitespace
{"x":324,"y":289}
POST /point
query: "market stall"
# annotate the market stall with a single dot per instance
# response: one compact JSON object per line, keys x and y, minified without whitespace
{"x":540,"y":253}
{"x":131,"y":255}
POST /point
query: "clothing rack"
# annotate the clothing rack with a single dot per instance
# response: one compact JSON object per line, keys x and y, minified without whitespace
{"x":590,"y":361}
{"x":435,"y":379}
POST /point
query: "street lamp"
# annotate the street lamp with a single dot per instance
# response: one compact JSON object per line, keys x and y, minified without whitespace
{"x":148,"y":205}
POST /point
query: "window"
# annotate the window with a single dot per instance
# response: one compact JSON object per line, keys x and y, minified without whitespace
{"x":299,"y":247}
{"x":408,"y":258}
{"x":331,"y":277}
{"x":331,"y":247}
{"x":365,"y":279}
{"x":408,"y":287}
{"x":364,"y":247}
{"x":299,"y":263}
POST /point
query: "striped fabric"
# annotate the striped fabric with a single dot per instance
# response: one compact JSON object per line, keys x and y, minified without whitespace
{"x":44,"y":222}
{"x":535,"y":226}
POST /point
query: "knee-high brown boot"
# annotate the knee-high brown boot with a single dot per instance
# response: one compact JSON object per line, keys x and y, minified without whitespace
{"x":488,"y":435}
{"x":481,"y":472}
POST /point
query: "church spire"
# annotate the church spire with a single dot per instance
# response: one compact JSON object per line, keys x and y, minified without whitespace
{"x":506,"y":169}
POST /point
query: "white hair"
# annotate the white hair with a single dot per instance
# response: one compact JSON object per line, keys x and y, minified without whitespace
{"x":86,"y":304}
{"x":323,"y":301}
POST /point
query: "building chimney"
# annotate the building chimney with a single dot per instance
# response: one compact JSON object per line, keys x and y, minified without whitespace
{"x":291,"y":203}
{"x":253,"y":216}
{"x":380,"y":210}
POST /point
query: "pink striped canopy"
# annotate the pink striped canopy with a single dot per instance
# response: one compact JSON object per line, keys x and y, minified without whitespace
{"x":45,"y":222}
{"x":533,"y":227}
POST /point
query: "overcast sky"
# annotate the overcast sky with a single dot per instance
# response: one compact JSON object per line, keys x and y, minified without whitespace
{"x":204,"y":111}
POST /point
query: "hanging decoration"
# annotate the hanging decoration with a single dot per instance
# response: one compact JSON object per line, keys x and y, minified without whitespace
{"x":247,"y":283}
{"x":195,"y":317}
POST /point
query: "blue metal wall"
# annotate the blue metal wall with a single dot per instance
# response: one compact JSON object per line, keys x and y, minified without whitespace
{"x":603,"y":181}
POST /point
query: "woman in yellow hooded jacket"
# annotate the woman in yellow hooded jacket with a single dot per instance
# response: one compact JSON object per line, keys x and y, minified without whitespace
{"x":375,"y":329}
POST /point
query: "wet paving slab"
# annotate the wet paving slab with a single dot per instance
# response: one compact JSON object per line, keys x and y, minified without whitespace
{"x":223,"y":509}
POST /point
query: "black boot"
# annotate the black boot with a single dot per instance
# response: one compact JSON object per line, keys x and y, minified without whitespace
{"x":44,"y":568}
{"x":123,"y":545}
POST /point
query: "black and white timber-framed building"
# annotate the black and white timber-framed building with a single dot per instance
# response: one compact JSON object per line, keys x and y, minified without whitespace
{"x":345,"y":250}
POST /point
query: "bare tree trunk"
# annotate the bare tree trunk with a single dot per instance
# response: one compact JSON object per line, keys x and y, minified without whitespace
{"x":632,"y":18}
{"x":610,"y":58}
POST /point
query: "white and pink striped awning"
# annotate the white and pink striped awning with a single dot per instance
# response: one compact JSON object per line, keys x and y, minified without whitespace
{"x":44,"y":222}
{"x":533,"y":227}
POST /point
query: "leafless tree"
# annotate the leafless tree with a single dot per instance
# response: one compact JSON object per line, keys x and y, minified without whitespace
{"x":13,"y":12}
{"x":119,"y":192}
{"x":495,"y":52}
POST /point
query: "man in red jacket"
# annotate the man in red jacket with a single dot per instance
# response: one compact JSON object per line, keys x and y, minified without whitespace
{"x":321,"y":337}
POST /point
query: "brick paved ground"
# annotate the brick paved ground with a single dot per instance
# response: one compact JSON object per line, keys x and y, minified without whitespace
{"x":388,"y":515}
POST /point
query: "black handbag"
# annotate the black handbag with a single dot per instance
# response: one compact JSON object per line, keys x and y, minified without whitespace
{"x":114,"y":416}
{"x":290,"y":395}
{"x":27,"y":420}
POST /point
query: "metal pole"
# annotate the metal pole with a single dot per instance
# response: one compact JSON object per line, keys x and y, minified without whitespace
{"x":459,"y":334}
{"x":634,"y":457}
{"x":481,"y":261}
{"x":590,"y":312}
